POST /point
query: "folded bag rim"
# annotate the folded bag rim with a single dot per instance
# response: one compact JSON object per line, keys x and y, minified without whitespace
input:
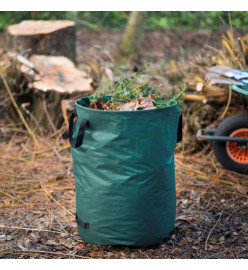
{"x":172,"y":107}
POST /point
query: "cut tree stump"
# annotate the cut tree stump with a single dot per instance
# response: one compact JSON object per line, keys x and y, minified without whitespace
{"x":43,"y":37}
{"x":53,"y":78}
{"x":43,"y":84}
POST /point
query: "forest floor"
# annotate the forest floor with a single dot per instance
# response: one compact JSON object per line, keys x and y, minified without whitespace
{"x":38,"y":205}
{"x":37,"y":201}
{"x":157,"y":45}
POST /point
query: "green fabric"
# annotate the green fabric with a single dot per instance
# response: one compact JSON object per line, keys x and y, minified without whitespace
{"x":242,"y":89}
{"x":125,"y":176}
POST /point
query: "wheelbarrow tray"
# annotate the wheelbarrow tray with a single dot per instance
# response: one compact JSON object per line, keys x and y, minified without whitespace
{"x":208,"y":134}
{"x":242,"y":89}
{"x":230,"y":140}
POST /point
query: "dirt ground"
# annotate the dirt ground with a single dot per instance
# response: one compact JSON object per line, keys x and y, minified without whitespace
{"x":37,"y":201}
{"x":157,"y":46}
{"x":38,"y":206}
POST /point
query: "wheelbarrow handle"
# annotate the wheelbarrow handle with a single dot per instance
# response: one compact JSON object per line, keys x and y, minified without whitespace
{"x":211,"y":137}
{"x":199,"y":135}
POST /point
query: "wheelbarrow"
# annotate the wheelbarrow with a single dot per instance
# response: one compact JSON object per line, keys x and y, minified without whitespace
{"x":230,"y":139}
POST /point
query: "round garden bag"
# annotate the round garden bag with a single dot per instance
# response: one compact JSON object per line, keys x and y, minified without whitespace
{"x":123,"y":163}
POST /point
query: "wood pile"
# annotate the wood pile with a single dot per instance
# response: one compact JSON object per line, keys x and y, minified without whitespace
{"x":207,"y":94}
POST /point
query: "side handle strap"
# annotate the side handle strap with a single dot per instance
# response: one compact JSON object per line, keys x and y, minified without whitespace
{"x":82,"y":223}
{"x":80,"y":136}
{"x":180,"y":128}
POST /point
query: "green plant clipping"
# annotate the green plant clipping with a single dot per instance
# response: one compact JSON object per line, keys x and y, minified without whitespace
{"x":128,"y":94}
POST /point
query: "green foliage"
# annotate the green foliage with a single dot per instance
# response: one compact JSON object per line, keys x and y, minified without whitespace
{"x":192,"y":20}
{"x":128,"y":89}
{"x":124,"y":90}
{"x":12,"y":17}
{"x":167,"y":100}
{"x":95,"y":20}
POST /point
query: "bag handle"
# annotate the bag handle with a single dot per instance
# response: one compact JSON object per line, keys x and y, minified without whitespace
{"x":80,"y":136}
{"x":81,"y":223}
{"x":180,"y":128}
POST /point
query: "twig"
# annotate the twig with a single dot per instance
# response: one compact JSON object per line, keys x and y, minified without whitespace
{"x":8,"y":195}
{"x":228,"y":102}
{"x":53,"y":148}
{"x":48,"y":206}
{"x":228,"y":250}
{"x":56,"y":201}
{"x":34,"y":119}
{"x":212,"y":48}
{"x":59,"y":131}
{"x":47,"y":114}
{"x":206,"y":244}
{"x":31,"y":229}
{"x":15,"y":105}
{"x":48,"y":252}
{"x":242,"y":250}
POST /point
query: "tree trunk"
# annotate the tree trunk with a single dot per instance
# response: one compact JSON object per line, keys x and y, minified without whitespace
{"x":43,"y":37}
{"x":132,"y":39}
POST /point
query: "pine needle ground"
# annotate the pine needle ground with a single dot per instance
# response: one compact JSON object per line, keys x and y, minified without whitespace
{"x":37,"y":205}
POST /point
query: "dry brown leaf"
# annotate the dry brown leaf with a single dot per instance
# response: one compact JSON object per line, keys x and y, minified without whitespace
{"x":185,"y":218}
{"x":22,"y":247}
{"x":95,"y":254}
{"x":147,"y":104}
{"x":66,"y":243}
{"x":93,"y":106}
{"x":77,"y":247}
{"x":131,"y":106}
{"x":109,"y":107}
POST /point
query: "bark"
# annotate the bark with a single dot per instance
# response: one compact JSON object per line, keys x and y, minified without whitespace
{"x":43,"y":37}
{"x":132,"y":39}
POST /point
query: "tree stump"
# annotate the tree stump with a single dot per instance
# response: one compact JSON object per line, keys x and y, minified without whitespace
{"x":53,"y":79}
{"x":43,"y":86}
{"x":43,"y":37}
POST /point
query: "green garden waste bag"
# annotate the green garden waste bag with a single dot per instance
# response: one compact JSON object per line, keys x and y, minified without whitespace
{"x":123,"y":163}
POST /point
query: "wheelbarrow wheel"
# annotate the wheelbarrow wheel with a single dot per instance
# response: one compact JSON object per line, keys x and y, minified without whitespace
{"x":231,"y":155}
